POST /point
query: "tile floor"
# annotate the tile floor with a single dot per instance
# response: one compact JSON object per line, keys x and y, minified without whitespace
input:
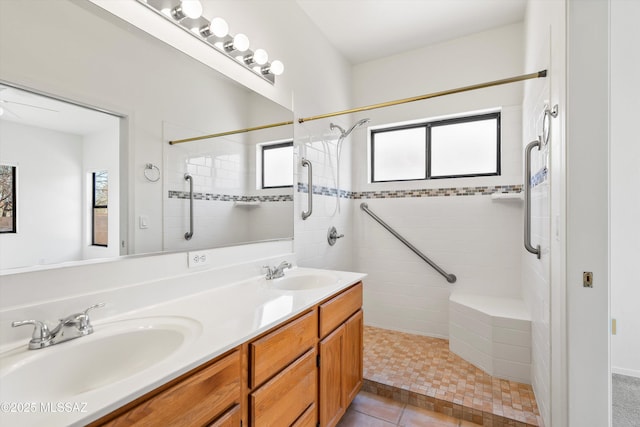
{"x":421,"y":371}
{"x":371,"y":410}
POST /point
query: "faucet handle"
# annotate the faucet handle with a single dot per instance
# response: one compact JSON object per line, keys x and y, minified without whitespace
{"x":85,"y":322}
{"x":268,"y":270}
{"x":81,"y":320}
{"x":99,"y":305}
{"x":40,"y":333}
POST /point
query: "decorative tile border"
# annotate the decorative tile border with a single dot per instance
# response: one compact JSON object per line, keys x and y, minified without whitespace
{"x":539,"y":177}
{"x":357,"y":195}
{"x":423,"y":192}
{"x":230,"y":197}
{"x":324,"y":191}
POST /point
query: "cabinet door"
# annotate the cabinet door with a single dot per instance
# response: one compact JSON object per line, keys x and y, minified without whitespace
{"x":353,"y":355}
{"x":332,"y":394}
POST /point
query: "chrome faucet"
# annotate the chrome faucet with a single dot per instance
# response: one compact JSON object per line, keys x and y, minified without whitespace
{"x":74,"y":326}
{"x":277,"y":272}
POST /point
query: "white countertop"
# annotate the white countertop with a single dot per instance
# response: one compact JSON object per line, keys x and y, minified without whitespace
{"x":218,"y":320}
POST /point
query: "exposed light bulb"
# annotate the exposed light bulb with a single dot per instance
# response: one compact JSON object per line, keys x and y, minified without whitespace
{"x":240,"y":42}
{"x":187,"y":9}
{"x":260,"y":56}
{"x":276,"y":68}
{"x":191,"y":8}
{"x":219,"y":27}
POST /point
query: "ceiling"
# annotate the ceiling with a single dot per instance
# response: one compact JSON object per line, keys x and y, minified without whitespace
{"x":30,"y":109}
{"x":365,"y":30}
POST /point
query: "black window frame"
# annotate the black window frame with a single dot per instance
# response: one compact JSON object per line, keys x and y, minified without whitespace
{"x":14,"y":204}
{"x":94,"y":206}
{"x":265,"y":147}
{"x":428,"y":125}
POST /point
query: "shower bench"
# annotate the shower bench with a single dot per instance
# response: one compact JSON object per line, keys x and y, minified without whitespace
{"x":492,"y":333}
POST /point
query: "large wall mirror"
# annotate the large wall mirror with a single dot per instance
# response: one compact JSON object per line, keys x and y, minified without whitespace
{"x":91,"y":184}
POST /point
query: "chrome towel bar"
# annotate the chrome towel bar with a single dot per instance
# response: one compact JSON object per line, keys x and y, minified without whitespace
{"x":451,"y":278}
{"x":527,"y":198}
{"x":189,"y":234}
{"x":306,"y":214}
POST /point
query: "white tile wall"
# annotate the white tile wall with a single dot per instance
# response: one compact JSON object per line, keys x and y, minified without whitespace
{"x":316,"y":143}
{"x":493,"y":333}
{"x":536,"y":272}
{"x":473,"y":237}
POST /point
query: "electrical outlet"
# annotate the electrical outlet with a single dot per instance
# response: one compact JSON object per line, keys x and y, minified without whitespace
{"x":198,"y":259}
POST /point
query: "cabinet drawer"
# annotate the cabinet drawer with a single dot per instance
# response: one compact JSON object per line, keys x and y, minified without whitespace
{"x":309,"y":418}
{"x":194,"y":401}
{"x":284,"y":398}
{"x":230,"y":419}
{"x":271,"y":353}
{"x":335,"y":311}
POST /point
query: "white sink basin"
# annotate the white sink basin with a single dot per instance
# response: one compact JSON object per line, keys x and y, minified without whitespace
{"x":294,"y":281}
{"x":114,"y":352}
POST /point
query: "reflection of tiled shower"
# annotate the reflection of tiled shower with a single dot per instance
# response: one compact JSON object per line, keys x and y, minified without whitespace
{"x":227,"y":207}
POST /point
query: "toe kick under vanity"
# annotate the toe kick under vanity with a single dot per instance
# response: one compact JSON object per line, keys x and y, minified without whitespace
{"x":295,"y":360}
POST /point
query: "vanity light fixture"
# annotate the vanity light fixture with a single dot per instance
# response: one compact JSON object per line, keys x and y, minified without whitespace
{"x":259,"y":57}
{"x":276,"y":68}
{"x":240,"y":43}
{"x":187,"y":9}
{"x":187,"y":15}
{"x":218,"y":27}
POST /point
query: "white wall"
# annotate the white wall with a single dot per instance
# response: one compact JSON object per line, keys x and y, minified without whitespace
{"x":49,"y":195}
{"x":625,"y":176}
{"x":587,"y":197}
{"x":473,"y":237}
{"x":77,"y":55}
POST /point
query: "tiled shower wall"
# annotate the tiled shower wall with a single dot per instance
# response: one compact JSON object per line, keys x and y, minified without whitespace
{"x":474,"y":237}
{"x":455,"y":222}
{"x":317,"y":143}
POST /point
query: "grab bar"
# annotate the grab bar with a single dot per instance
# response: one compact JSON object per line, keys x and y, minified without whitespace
{"x":307,"y":214}
{"x":189,"y":234}
{"x":527,"y":198}
{"x":451,"y":278}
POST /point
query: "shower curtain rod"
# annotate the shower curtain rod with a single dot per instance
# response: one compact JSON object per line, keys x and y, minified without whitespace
{"x":542,"y":73}
{"x":515,"y":79}
{"x":231,"y":132}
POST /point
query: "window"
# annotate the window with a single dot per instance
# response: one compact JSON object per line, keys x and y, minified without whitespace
{"x":7,"y":199}
{"x":453,"y":148}
{"x":277,"y":165}
{"x":100,"y":208}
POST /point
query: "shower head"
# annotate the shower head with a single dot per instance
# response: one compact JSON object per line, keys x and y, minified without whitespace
{"x":343,"y":133}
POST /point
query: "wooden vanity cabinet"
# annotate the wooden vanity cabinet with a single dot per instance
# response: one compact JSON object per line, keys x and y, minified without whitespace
{"x":341,"y":353}
{"x":302,"y":373}
{"x":286,"y":359}
{"x":210,"y":396}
